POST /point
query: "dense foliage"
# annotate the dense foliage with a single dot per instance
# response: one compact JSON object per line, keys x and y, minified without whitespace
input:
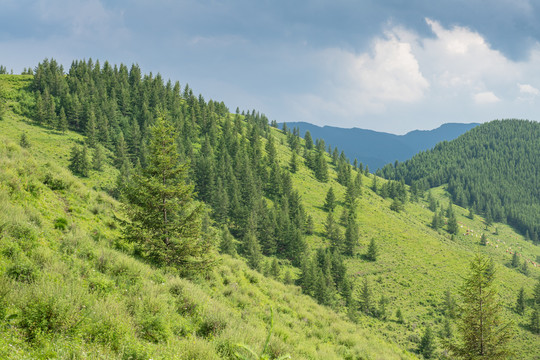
{"x":234,"y":168}
{"x":493,"y":169}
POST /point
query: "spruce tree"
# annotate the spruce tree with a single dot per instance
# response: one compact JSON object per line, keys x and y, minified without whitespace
{"x":483,"y":240}
{"x":534,"y":322}
{"x":293,"y":163}
{"x":227,"y":245}
{"x":62,"y":123}
{"x":23,"y":141}
{"x":164,"y":220}
{"x":515,"y":260}
{"x":520,"y":302}
{"x":372,"y":251}
{"x":351,"y":236}
{"x":427,"y":344}
{"x":365,"y":298}
{"x":536,"y":293}
{"x":483,"y":332}
{"x":330,"y":200}
{"x":98,"y":158}
{"x":308,"y":140}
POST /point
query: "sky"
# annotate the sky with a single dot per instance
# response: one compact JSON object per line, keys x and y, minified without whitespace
{"x":385,"y":65}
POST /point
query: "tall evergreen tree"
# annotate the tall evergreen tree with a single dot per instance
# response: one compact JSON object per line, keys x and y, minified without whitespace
{"x":483,"y":332}
{"x":520,"y":302}
{"x":372,"y":251}
{"x":62,"y":123}
{"x":427,"y":344}
{"x":164,"y":221}
{"x":98,"y":158}
{"x":330,"y":200}
{"x":365,"y":298}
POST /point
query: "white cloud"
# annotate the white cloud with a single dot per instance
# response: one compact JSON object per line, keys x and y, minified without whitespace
{"x":486,"y":97}
{"x":528,"y":89}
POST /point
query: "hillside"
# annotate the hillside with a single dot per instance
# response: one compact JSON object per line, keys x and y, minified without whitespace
{"x":376,"y":149}
{"x":493,"y":169}
{"x":150,"y":311}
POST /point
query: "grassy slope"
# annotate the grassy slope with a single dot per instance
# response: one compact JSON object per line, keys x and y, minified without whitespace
{"x":205,"y":317}
{"x":93,"y":300}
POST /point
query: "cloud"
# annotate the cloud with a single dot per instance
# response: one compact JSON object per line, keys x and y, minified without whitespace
{"x":528,"y":89}
{"x":486,"y":97}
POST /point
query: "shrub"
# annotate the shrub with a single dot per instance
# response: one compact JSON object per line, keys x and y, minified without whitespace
{"x":22,"y":271}
{"x":60,"y":224}
{"x":55,"y":183}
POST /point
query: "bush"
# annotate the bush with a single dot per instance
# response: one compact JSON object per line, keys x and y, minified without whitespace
{"x":49,"y":309}
{"x":23,"y":271}
{"x":55,"y":183}
{"x":60,"y":224}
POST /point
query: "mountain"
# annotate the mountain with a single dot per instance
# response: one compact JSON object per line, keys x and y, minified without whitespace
{"x":377,"y":149}
{"x":290,"y":276}
{"x":493,"y":169}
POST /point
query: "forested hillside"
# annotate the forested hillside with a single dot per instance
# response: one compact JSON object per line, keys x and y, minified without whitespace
{"x":100,"y":165}
{"x":494,"y":169}
{"x":376,"y":149}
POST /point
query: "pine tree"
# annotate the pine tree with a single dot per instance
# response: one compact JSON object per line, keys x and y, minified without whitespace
{"x":62,"y":123}
{"x":23,"y":141}
{"x":78,"y":162}
{"x":252,"y":250}
{"x":351,"y":236}
{"x":520,"y":302}
{"x":534,"y":323}
{"x":293,"y":164}
{"x":309,"y":225}
{"x":164,"y":220}
{"x":372,"y":251}
{"x":330,"y":200}
{"x":91,"y":130}
{"x":427,"y":344}
{"x":447,"y":332}
{"x":399,"y":316}
{"x":452,"y":223}
{"x":536,"y":293}
{"x":308,"y":140}
{"x":227,"y":245}
{"x":483,"y":333}
{"x":98,"y":158}
{"x":515,"y":260}
{"x":449,"y":305}
{"x":483,"y":240}
{"x":525,"y":268}
{"x":365,"y":298}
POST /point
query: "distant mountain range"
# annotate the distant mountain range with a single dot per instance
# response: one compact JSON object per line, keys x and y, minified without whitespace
{"x":377,"y":149}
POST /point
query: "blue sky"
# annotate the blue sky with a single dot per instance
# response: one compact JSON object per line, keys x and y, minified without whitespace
{"x":387,"y":65}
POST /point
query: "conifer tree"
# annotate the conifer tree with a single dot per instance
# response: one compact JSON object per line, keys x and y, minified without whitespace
{"x":98,"y":158}
{"x":23,"y":141}
{"x":308,"y":140}
{"x":365,"y":298}
{"x":447,"y":332}
{"x":293,"y":164}
{"x":483,"y":333}
{"x":372,"y":251}
{"x":534,"y":322}
{"x":483,"y":240}
{"x":520,"y":302}
{"x":164,"y":221}
{"x":330,"y":200}
{"x":427,"y":344}
{"x":91,"y":130}
{"x":62,"y":123}
{"x":536,"y":293}
{"x":227,"y":245}
{"x":399,"y":316}
{"x":79,"y":163}
{"x":515,"y":260}
{"x":452,"y":223}
{"x":309,"y":225}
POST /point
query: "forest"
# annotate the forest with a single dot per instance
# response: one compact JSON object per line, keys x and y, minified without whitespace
{"x":119,"y":184}
{"x":492,"y":169}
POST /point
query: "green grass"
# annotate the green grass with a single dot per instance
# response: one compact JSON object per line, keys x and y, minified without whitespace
{"x":111,"y":305}
{"x":72,"y":289}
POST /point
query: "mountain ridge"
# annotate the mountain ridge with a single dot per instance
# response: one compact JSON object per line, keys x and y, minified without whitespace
{"x":376,"y":149}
